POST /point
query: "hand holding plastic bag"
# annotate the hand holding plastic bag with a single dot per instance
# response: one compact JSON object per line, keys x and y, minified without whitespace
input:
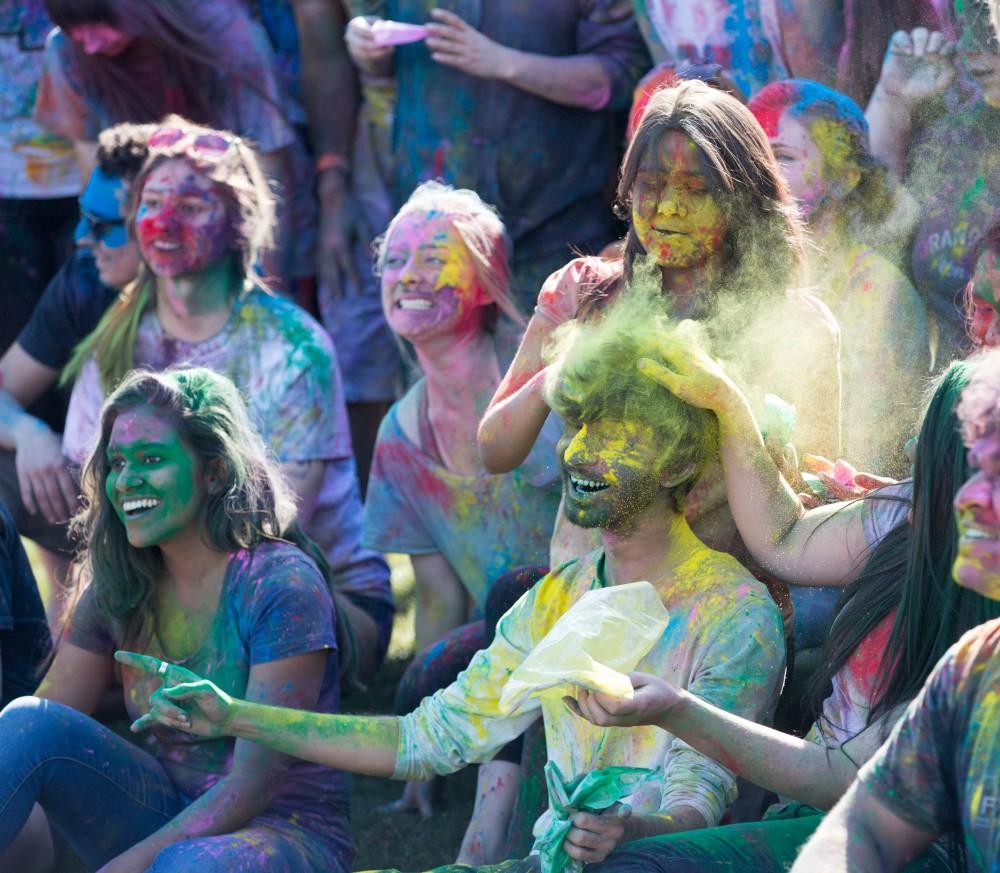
{"x":594,"y":644}
{"x":594,"y":792}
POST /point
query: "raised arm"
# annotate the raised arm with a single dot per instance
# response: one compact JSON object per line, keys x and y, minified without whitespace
{"x":518,"y":410}
{"x":917,"y":67}
{"x":824,"y":546}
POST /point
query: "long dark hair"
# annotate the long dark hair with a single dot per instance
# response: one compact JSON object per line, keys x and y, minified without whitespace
{"x":910,"y":571}
{"x":763,"y":245}
{"x":188,"y":46}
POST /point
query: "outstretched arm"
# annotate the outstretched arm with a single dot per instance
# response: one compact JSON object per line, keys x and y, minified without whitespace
{"x":187,"y":702}
{"x":825,"y":546}
{"x":776,"y":761}
{"x":256,"y":773}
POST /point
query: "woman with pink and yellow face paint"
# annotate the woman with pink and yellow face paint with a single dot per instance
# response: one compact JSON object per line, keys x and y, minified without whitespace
{"x":820,"y":141}
{"x":445,"y":282}
{"x":201,"y":211}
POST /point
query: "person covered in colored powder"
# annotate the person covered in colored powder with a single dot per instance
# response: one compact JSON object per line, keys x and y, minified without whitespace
{"x":192,"y":555}
{"x":754,"y":42}
{"x":39,"y":181}
{"x":445,"y":284}
{"x":36,"y":483}
{"x":820,"y":141}
{"x":937,"y":773}
{"x":489,"y":99}
{"x":982,"y":293}
{"x":713,"y":228}
{"x":202,"y":211}
{"x":891,"y":554}
{"x":112,"y":61}
{"x":937,"y":132}
{"x":629,"y":453}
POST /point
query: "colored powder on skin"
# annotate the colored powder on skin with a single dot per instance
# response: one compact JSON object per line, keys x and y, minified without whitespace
{"x":181,"y":224}
{"x":975,"y":191}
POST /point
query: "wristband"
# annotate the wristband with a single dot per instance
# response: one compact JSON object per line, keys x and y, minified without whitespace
{"x":331,"y":161}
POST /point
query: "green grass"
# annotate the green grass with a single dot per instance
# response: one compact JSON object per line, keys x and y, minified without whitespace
{"x":404,"y":840}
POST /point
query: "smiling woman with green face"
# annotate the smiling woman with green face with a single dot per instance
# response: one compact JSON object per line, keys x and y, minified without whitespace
{"x":192,"y":557}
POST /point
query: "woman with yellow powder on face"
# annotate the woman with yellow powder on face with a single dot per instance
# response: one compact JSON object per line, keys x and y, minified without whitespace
{"x":445,"y":270}
{"x":820,"y":141}
{"x":712,"y":224}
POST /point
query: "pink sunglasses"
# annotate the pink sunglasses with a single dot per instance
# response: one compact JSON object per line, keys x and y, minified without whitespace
{"x":198,"y":145}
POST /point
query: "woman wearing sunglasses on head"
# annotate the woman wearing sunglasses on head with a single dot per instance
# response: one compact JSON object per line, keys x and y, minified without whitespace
{"x":111,"y":61}
{"x":201,"y":210}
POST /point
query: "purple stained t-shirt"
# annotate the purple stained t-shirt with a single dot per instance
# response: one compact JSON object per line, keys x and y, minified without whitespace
{"x":284,"y":364}
{"x":274,"y":605}
{"x":955,"y":176}
{"x":483,"y":525}
{"x":939,"y":769}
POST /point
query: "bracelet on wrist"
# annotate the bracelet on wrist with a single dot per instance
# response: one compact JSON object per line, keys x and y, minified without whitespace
{"x":332,"y":161}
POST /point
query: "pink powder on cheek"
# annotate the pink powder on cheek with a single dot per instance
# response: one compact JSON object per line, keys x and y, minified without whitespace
{"x":199,"y":245}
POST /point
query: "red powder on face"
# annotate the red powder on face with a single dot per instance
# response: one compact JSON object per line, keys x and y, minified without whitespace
{"x":770,"y":104}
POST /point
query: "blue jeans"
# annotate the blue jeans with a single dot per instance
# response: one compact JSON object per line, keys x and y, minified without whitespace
{"x":103,"y":795}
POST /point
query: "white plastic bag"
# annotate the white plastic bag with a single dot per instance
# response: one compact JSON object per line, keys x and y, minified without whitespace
{"x":596,"y":641}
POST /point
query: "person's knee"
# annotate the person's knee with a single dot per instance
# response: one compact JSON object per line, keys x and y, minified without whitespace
{"x":24,"y":715}
{"x":190,"y":855}
{"x":32,"y":725}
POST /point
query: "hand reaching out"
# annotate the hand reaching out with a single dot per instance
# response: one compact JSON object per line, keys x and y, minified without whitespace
{"x":653,"y":698}
{"x":841,"y":480}
{"x":917,"y":66}
{"x":185,"y":702}
{"x":688,"y":372}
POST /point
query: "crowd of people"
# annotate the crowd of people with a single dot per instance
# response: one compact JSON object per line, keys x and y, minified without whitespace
{"x":662,"y":338}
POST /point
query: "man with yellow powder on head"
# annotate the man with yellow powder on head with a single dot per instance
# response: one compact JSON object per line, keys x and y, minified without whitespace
{"x":629,"y":454}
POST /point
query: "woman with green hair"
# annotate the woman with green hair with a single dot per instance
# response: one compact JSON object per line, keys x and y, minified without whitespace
{"x":192,"y":553}
{"x":891,"y":551}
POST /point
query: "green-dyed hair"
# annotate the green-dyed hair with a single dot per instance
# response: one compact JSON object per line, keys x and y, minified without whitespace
{"x":593,"y":376}
{"x":250,"y":503}
{"x":910,"y":570}
{"x":250,"y":208}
